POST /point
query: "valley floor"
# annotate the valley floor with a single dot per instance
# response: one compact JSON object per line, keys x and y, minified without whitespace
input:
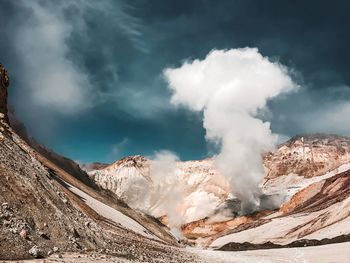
{"x":334,"y":253}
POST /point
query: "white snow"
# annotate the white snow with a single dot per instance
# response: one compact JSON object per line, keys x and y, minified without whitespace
{"x":335,"y":253}
{"x":112,"y":214}
{"x":337,"y":229}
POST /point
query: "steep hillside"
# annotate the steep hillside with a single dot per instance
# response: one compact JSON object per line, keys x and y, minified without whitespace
{"x":66,"y":164}
{"x":46,"y":208}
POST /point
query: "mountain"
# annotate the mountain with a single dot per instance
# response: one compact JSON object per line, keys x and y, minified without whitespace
{"x":304,"y":174}
{"x":50,"y":208}
{"x":199,"y":180}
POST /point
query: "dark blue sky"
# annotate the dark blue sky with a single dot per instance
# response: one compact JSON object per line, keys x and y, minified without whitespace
{"x":86,"y":76}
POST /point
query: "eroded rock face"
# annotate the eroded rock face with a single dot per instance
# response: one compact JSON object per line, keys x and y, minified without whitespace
{"x":121,"y":175}
{"x":308,"y":156}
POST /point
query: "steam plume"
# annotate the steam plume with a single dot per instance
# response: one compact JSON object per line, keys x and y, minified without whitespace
{"x":161,"y":193}
{"x":232,"y":87}
{"x":166,"y":195}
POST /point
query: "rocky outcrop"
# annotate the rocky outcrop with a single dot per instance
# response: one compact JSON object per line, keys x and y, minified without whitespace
{"x":304,"y":160}
{"x":4,"y":83}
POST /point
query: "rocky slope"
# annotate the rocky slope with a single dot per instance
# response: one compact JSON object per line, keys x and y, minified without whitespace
{"x":46,"y":208}
{"x":66,"y":164}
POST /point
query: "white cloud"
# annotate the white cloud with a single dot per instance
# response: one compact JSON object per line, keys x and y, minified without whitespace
{"x":50,"y":76}
{"x":333,"y":118}
{"x":48,"y":73}
{"x":144,"y":104}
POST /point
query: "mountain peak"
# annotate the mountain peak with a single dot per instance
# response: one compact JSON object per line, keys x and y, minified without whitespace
{"x":128,"y":161}
{"x":318,"y":138}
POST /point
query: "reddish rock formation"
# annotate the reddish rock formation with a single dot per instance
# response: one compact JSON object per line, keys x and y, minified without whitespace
{"x":320,"y":195}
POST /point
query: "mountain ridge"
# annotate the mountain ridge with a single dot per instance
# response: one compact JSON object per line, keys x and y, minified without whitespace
{"x":292,"y":170}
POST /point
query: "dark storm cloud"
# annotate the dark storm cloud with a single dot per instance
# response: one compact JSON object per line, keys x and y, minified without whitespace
{"x":87,"y":74}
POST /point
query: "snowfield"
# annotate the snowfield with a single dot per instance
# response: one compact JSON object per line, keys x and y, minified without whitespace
{"x":334,"y":253}
{"x":112,"y":214}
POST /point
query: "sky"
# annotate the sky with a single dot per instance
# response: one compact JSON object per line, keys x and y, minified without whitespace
{"x":87,"y":76}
